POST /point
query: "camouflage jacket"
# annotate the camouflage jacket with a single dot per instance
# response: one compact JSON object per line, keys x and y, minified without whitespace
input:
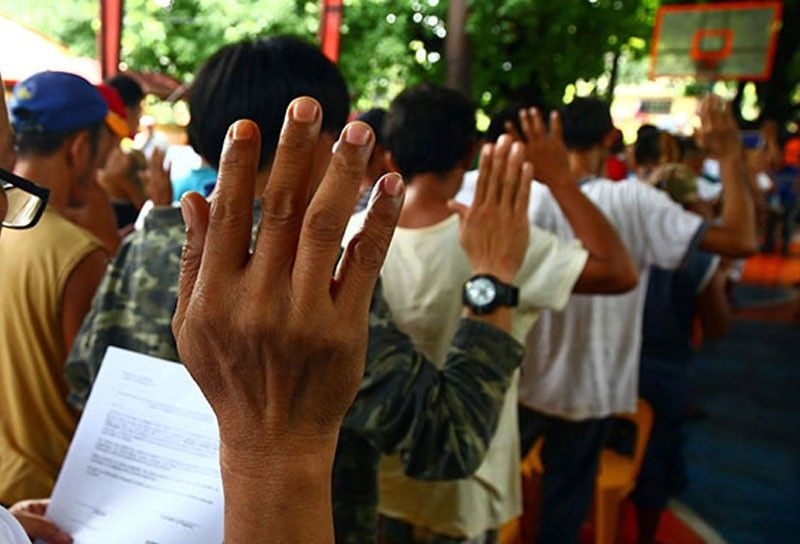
{"x":439,"y":421}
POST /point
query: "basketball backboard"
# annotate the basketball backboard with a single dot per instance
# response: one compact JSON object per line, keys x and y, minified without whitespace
{"x":734,"y":40}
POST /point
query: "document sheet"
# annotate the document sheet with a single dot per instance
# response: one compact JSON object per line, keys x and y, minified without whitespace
{"x":143,"y":467}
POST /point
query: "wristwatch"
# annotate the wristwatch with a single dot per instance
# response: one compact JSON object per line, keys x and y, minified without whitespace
{"x":483,"y":293}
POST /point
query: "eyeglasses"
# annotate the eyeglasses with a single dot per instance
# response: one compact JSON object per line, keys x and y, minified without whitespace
{"x":26,"y":201}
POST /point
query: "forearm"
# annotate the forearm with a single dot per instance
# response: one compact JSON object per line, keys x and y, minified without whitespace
{"x":735,"y":235}
{"x":499,"y":318}
{"x":441,"y":421}
{"x":738,"y":210}
{"x":609,"y":268}
{"x":282,"y":496}
{"x":588,"y":223}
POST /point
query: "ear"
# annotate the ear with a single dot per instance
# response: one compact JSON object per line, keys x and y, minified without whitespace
{"x":609,"y":139}
{"x":469,"y":157}
{"x":78,"y":151}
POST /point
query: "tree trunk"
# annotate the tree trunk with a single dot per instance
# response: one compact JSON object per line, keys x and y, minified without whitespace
{"x":457,"y":54}
{"x":612,"y":80}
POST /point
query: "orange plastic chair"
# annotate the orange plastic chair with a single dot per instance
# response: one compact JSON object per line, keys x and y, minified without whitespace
{"x":616,"y":478}
{"x":617,"y":475}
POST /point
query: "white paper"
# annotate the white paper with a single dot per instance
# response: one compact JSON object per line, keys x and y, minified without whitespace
{"x":143,"y":467}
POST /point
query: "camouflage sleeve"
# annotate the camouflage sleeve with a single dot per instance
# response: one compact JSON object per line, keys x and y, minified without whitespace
{"x":439,"y":421}
{"x":132,"y":309}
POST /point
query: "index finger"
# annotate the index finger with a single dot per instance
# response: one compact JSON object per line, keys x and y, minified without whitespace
{"x":231,"y":215}
{"x":525,"y":123}
{"x":484,"y":168}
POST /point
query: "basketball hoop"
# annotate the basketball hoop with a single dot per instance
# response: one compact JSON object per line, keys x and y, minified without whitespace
{"x":710,"y":47}
{"x":734,"y":40}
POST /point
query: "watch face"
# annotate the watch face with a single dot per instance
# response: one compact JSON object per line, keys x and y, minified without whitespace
{"x":481,"y":291}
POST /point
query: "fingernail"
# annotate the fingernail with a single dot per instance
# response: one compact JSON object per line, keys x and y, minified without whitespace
{"x":305,"y":110}
{"x":242,"y":130}
{"x":187,"y":212}
{"x":393,"y":184}
{"x":357,"y":134}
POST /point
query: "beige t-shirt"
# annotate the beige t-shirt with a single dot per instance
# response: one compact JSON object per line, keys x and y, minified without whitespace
{"x":422,"y":278}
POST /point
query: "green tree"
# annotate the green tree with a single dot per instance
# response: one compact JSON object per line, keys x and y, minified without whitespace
{"x":520,"y":48}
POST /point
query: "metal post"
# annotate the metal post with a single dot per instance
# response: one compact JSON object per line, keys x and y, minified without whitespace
{"x":109,"y":35}
{"x":330,"y":28}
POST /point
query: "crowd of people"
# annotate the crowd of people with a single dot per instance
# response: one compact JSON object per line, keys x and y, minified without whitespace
{"x":385,"y":314}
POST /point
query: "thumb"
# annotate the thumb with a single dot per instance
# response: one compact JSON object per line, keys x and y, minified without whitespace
{"x":457,"y":207}
{"x":41,"y":527}
{"x":195,"y":215}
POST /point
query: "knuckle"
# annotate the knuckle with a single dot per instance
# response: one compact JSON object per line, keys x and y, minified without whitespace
{"x":280,"y":207}
{"x":324,"y":224}
{"x":229,"y":213}
{"x":348,"y":163}
{"x":369,"y":251}
{"x":235,"y":160}
{"x":295,"y":144}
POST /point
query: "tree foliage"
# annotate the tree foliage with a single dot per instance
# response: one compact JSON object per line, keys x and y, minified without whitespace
{"x":520,"y":48}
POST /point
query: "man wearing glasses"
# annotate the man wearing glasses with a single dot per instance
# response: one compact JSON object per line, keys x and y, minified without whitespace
{"x":49,"y":274}
{"x":21,"y":206}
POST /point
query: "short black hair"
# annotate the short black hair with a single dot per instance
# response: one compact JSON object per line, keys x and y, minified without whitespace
{"x":688,"y":146}
{"x":497,"y":125}
{"x":429,"y":129}
{"x":375,"y":119}
{"x":35,"y":142}
{"x":586,"y":121}
{"x":128,"y":88}
{"x":647,"y":150}
{"x":257,"y":80}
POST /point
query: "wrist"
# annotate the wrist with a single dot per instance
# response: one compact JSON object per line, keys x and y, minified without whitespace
{"x":564,"y":180}
{"x":500,"y":317}
{"x":297,"y":486}
{"x":506,"y":274}
{"x":272,"y":457}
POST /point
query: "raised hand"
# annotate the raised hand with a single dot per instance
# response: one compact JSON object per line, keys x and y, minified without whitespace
{"x":495,"y":230}
{"x":718,"y":134}
{"x":31,"y":515}
{"x":156,"y":179}
{"x":545,"y":150}
{"x":275,"y":342}
{"x":114,"y":178}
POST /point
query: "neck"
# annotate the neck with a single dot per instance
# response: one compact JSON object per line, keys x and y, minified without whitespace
{"x":48,"y":172}
{"x":427,"y":196}
{"x":589,"y":163}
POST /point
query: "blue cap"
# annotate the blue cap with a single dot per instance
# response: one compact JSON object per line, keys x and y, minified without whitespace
{"x":55,"y":102}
